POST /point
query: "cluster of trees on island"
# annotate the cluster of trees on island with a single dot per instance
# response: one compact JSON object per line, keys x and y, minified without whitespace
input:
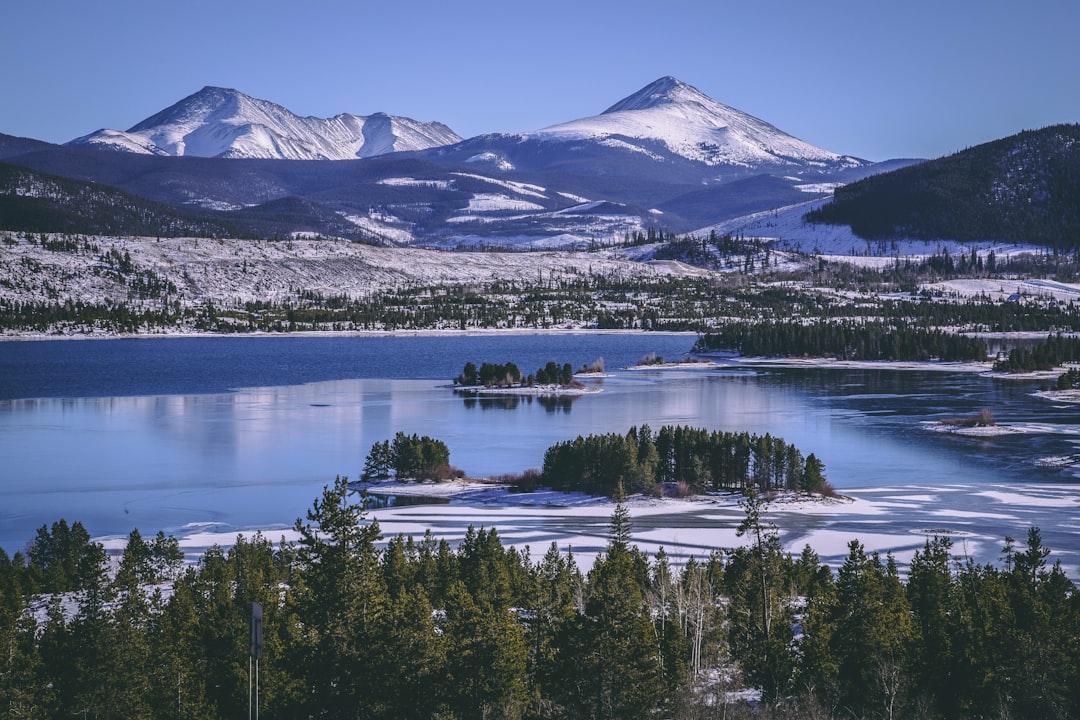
{"x":692,"y":459}
{"x":354,"y":626}
{"x":412,"y":457}
{"x":494,"y":375}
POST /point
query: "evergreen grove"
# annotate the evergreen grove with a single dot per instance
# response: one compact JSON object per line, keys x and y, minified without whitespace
{"x":694,"y":459}
{"x":413,"y":628}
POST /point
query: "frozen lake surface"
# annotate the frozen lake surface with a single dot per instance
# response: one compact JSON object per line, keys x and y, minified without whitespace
{"x":194,"y":435}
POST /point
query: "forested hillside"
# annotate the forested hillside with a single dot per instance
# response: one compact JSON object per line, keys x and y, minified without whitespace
{"x":1024,"y":189}
{"x":37,"y":202}
{"x":32,"y":201}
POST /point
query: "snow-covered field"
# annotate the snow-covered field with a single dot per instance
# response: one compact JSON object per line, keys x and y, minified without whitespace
{"x":838,"y":243}
{"x":232,"y":272}
{"x":997,"y":289}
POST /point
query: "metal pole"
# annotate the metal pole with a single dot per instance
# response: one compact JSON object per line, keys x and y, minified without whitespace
{"x":249,"y":687}
{"x":256,"y":688}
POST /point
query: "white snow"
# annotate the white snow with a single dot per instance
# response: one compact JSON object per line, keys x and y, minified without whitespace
{"x":517,"y":187}
{"x":413,"y":182}
{"x":491,"y":158}
{"x":818,"y":188}
{"x":232,"y":272}
{"x":496,"y":202}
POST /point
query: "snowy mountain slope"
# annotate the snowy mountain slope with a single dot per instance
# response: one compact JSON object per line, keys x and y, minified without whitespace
{"x":224,"y":123}
{"x":789,"y":229}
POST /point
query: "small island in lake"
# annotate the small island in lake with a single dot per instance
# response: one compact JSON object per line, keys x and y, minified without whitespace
{"x":492,"y":378}
{"x":652,"y":361}
{"x":981,"y":424}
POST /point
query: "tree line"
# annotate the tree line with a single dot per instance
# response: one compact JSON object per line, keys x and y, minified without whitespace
{"x":842,"y":339}
{"x":1046,"y":355}
{"x":413,"y":628}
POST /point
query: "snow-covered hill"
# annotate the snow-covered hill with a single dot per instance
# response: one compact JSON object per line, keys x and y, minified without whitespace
{"x":218,"y":122}
{"x":231,"y":273}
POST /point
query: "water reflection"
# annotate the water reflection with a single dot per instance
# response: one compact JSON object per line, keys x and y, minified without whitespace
{"x":550,"y":403}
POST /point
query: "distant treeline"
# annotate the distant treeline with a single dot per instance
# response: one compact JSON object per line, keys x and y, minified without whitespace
{"x":1046,"y":355}
{"x":701,"y":460}
{"x":843,"y":340}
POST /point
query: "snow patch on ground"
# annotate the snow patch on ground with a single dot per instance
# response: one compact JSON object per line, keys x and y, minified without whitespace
{"x":517,"y":187}
{"x":498,"y":161}
{"x":496,"y":202}
{"x":1001,"y":289}
{"x":413,"y":182}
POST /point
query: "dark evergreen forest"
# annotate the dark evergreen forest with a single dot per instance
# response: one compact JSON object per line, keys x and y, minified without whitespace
{"x":1024,"y":188}
{"x":414,"y":628}
{"x":843,"y":339}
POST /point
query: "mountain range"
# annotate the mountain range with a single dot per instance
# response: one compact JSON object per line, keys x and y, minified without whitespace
{"x":223,"y":123}
{"x":665,"y":156}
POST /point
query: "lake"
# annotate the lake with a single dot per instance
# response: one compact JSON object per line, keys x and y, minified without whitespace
{"x":236,"y":433}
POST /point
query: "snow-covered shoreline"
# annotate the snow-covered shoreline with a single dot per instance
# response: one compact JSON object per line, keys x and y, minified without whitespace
{"x":898,"y":520}
{"x":472,"y":332}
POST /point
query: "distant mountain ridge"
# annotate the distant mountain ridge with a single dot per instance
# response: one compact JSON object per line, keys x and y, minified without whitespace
{"x":225,"y":123}
{"x":1023,"y":188}
{"x":665,"y":157}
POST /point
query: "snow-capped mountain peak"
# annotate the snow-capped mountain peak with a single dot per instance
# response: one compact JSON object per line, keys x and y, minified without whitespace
{"x":221,"y":122}
{"x":688,"y":123}
{"x":665,"y":91}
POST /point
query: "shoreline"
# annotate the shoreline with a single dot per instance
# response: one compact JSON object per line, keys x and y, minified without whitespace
{"x":530,"y":391}
{"x":475,"y":332}
{"x":826,"y":363}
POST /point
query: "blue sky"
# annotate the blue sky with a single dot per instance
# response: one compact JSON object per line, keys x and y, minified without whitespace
{"x":872,"y":79}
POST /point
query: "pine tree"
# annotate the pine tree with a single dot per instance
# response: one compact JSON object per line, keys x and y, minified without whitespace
{"x":759,"y":614}
{"x":342,"y":600}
